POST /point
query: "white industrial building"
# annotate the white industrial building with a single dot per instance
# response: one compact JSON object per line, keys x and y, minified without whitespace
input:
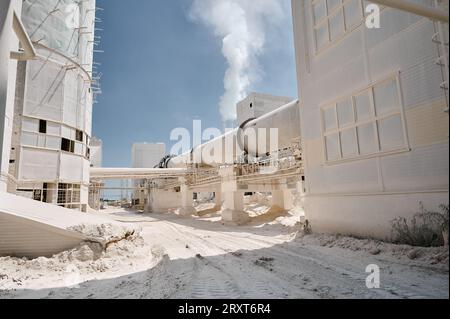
{"x":147,"y":155}
{"x":373,"y":112}
{"x":49,"y":152}
{"x":32,"y":117}
{"x":258,"y":104}
{"x":144,"y":155}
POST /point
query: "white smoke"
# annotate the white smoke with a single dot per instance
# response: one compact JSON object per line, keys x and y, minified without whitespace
{"x":242,"y":26}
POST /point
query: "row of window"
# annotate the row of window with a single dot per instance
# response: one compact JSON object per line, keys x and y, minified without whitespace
{"x":47,"y":134}
{"x":67,"y":193}
{"x":51,"y":128}
{"x":333,"y":18}
{"x":365,"y":123}
{"x":55,"y":143}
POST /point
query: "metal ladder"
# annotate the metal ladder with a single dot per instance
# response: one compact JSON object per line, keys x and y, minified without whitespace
{"x":441,"y":39}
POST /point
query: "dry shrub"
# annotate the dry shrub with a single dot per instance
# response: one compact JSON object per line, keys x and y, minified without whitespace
{"x":424,"y":229}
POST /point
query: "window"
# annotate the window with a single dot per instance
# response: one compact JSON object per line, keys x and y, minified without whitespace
{"x":79,"y":149}
{"x":391,"y":132}
{"x":367,"y":143}
{"x":352,"y":12}
{"x":332,"y":146}
{"x":319,"y":10}
{"x":42,"y":126}
{"x":336,"y":25}
{"x":41,"y":141}
{"x":330,"y":118}
{"x":366,"y":123}
{"x":53,"y":128}
{"x":62,"y":193}
{"x":37,"y":195}
{"x":79,"y":136}
{"x":30,"y":125}
{"x":29,"y":139}
{"x":345,"y":112}
{"x":53,"y":142}
{"x":333,"y":18}
{"x":65,"y":145}
{"x":363,"y":106}
{"x":349,"y":143}
{"x":68,"y":194}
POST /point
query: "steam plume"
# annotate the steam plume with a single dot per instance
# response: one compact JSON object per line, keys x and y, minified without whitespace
{"x":242,"y":26}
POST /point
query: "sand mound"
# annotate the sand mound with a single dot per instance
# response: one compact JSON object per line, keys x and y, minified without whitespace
{"x":105,"y":232}
{"x":88,"y":261}
{"x":435,"y":256}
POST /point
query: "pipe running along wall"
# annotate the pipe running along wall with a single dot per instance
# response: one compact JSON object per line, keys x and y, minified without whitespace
{"x":274,"y":131}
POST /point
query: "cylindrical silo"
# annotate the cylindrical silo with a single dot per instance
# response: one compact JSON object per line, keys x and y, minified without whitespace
{"x":53,"y":108}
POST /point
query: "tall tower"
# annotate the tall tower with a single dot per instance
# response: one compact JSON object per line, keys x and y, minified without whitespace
{"x":145,"y":155}
{"x":50,"y":152}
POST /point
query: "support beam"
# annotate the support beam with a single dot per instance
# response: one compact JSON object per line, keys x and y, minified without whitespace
{"x":187,"y":201}
{"x":282,"y":200}
{"x":28,"y":52}
{"x":161,"y":201}
{"x":419,"y":9}
{"x":218,"y":199}
{"x":233,"y":204}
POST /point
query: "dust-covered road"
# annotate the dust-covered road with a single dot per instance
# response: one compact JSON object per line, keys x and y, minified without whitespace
{"x":205,"y":259}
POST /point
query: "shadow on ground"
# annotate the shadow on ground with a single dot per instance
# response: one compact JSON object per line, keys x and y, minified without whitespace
{"x":289,"y":270}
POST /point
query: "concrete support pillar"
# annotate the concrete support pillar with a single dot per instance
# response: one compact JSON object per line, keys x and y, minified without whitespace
{"x":218,"y":199}
{"x":233,"y":199}
{"x":282,"y":200}
{"x":161,"y":201}
{"x":187,"y":205}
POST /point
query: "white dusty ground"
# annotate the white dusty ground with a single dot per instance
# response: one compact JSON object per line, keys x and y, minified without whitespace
{"x":202,"y":258}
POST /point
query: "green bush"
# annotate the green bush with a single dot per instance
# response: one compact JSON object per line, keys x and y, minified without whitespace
{"x":425,"y":229}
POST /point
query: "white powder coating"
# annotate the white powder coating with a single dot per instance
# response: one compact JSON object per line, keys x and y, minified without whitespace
{"x":105,"y":233}
{"x":32,"y":229}
{"x":198,"y":257}
{"x":89,"y":261}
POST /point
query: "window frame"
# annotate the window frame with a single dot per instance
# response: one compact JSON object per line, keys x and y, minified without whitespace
{"x":340,"y":8}
{"x":42,"y":126}
{"x":373,"y":120}
{"x":49,"y":135}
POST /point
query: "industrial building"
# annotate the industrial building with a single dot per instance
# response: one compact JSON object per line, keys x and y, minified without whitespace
{"x":373,"y":112}
{"x":49,"y":156}
{"x":230,"y":165}
{"x":367,"y":141}
{"x":258,"y":104}
{"x":144,"y":155}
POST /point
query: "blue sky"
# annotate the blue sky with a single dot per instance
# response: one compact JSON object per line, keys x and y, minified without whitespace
{"x":161,"y":70}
